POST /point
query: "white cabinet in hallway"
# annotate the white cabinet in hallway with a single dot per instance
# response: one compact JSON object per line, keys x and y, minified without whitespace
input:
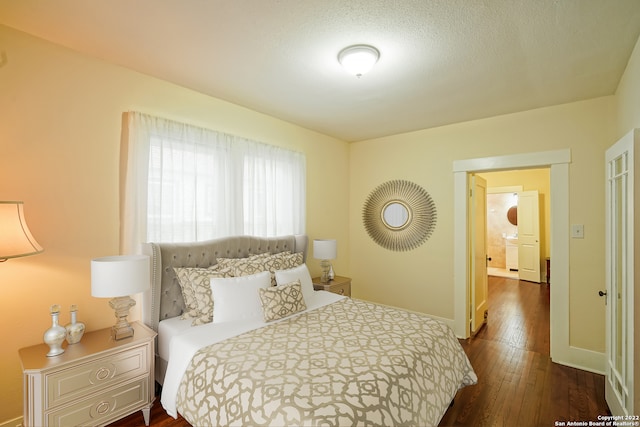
{"x":512,"y":253}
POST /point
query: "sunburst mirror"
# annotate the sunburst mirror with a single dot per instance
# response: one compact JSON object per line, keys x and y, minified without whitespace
{"x":399,"y":215}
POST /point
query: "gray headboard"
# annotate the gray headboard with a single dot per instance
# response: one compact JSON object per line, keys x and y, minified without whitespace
{"x":164,"y":299}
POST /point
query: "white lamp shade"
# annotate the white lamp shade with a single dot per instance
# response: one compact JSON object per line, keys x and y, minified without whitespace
{"x":325,"y":249}
{"x":118,"y":276}
{"x":15,"y":238}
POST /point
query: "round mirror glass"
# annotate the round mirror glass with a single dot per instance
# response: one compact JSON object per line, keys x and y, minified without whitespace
{"x":512,"y":215}
{"x":395,"y":215}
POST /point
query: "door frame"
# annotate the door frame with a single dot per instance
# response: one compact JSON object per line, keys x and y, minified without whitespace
{"x":558,"y":161}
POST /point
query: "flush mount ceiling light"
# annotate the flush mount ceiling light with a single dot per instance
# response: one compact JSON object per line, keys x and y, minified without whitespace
{"x":358,"y":59}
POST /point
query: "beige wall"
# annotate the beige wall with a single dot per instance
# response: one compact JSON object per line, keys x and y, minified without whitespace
{"x":59,"y":139}
{"x":499,"y":228}
{"x":59,"y":136}
{"x":422,"y":279}
{"x":627,"y":115}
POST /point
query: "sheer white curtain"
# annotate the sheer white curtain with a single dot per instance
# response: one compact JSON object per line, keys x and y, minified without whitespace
{"x":184,"y":183}
{"x":273,"y":190}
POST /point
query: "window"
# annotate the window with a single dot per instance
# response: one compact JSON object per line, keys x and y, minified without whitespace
{"x":184,"y":183}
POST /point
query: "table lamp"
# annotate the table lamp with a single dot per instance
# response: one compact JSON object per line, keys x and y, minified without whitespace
{"x":325,"y":250}
{"x":15,"y":238}
{"x":119,"y":277}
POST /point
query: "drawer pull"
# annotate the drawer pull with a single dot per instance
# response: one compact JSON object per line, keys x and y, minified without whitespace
{"x":102,"y":408}
{"x":103,"y":373}
{"x":341,"y":292}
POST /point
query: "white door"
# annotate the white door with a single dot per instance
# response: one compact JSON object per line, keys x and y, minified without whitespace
{"x":619,"y":294}
{"x":478,"y":233}
{"x":528,"y":236}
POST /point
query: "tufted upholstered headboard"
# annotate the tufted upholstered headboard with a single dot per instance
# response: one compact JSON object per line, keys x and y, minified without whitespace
{"x":164,"y":299}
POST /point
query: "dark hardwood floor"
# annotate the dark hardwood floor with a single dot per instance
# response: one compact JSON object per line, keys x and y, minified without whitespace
{"x":518,"y":385}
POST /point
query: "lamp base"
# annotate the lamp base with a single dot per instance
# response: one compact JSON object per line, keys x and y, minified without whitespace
{"x":119,"y":333}
{"x":122,"y":329}
{"x":327,"y":271}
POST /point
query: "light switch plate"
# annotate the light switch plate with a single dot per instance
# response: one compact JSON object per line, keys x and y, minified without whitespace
{"x":577,"y":231}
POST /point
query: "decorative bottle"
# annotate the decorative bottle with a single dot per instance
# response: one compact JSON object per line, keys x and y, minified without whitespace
{"x":54,"y":336}
{"x":75,"y":329}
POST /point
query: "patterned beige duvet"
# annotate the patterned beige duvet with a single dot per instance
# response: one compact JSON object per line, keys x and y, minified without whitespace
{"x":347,"y":363}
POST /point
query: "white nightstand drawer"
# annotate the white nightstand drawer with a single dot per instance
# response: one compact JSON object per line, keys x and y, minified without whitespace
{"x":104,"y":407}
{"x":74,"y":383}
{"x":339,"y":285}
{"x":94,"y":382}
{"x":342,"y":289}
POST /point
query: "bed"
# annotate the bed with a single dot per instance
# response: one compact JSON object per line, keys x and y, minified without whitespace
{"x":285,"y":354}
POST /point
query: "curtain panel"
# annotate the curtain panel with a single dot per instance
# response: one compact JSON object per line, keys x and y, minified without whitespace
{"x":184,"y":183}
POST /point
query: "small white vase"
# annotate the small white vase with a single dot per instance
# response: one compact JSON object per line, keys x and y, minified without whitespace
{"x":75,"y":329}
{"x":54,"y":336}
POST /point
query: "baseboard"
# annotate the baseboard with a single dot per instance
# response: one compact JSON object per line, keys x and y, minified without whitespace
{"x":587,"y":360}
{"x":449,"y":322}
{"x":16,"y":422}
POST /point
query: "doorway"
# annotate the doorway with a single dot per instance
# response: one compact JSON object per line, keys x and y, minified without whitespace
{"x":515,"y":227}
{"x":558,"y":162}
{"x":502,"y":228}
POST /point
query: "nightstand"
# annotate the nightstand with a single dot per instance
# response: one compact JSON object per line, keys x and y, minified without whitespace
{"x":339,"y":285}
{"x":94,"y":382}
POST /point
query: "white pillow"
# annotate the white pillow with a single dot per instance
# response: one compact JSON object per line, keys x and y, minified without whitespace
{"x":300,"y":273}
{"x":236,"y":298}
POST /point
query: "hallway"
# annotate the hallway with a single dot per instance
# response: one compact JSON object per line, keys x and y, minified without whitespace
{"x":517,"y":382}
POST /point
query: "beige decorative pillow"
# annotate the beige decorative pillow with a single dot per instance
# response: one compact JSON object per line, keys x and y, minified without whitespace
{"x":223,"y":263}
{"x":222,"y":270}
{"x":270,"y":264}
{"x":290,"y":260}
{"x":196,"y":291}
{"x":281,"y":301}
{"x":190,"y":304}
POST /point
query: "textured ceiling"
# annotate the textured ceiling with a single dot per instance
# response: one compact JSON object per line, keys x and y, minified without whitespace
{"x":442,"y":61}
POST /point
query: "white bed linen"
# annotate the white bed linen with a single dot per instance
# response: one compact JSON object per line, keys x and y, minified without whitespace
{"x":169,"y":328}
{"x":184,"y":345}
